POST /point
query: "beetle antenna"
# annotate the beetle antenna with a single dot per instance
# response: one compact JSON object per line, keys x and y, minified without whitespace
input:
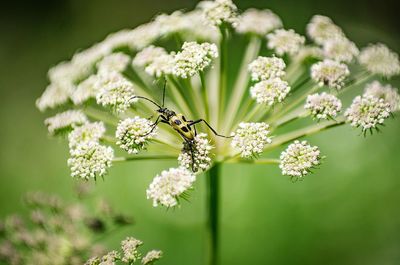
{"x":147,"y":100}
{"x":163,"y":96}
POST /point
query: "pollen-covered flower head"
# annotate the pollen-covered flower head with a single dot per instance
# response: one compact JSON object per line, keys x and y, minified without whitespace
{"x":86,"y":133}
{"x":321,"y":29}
{"x":90,"y":160}
{"x":193,"y":58}
{"x":264,"y":68}
{"x":219,"y":12}
{"x":151,"y":257}
{"x":85,"y":90}
{"x":134,"y":133}
{"x":270,"y":91}
{"x":330,"y":73}
{"x":388,"y":93}
{"x":251,"y":138}
{"x":65,"y":121}
{"x":166,"y":188}
{"x":114,"y":62}
{"x":115,"y":91}
{"x":367,"y":112}
{"x":200,"y":149}
{"x":130,"y":251}
{"x":284,"y":41}
{"x":299,"y":159}
{"x":340,"y":49}
{"x":379,"y":59}
{"x":148,"y":55}
{"x":258,"y":22}
{"x":54,"y":95}
{"x":323,"y":106}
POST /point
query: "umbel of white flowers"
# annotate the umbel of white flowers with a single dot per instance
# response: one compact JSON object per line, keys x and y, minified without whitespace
{"x":299,"y":81}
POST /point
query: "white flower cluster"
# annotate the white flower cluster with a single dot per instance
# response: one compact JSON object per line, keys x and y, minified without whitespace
{"x":133,"y":134}
{"x":220,"y":12}
{"x":285,"y":41}
{"x":299,"y":159}
{"x":330,"y":73}
{"x":264,"y":68}
{"x":85,"y":90}
{"x":251,"y":138}
{"x":258,"y":22}
{"x":53,"y":96}
{"x":172,"y":23}
{"x":201,"y":154}
{"x":323,"y":106}
{"x":367,"y":112}
{"x":309,"y":52}
{"x":151,"y":257}
{"x":90,"y":160}
{"x":162,"y":65}
{"x":270,"y":91}
{"x":65,"y":121}
{"x":321,"y":29}
{"x":166,"y":188}
{"x":115,"y":91}
{"x":388,"y":93}
{"x":86,"y":133}
{"x":148,"y":55}
{"x":379,"y":59}
{"x":130,"y":251}
{"x":193,"y":57}
{"x":108,"y":259}
{"x":340,"y":49}
{"x":114,"y":62}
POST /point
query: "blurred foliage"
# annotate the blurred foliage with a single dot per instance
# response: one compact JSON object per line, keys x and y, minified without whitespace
{"x":346,"y":213}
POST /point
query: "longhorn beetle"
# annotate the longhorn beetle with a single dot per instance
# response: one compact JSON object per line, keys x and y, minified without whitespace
{"x":185,"y":128}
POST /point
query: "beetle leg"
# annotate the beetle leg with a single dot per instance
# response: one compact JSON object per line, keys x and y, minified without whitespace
{"x":209,"y":126}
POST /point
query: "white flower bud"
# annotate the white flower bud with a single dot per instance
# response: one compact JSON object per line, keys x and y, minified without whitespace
{"x":264,"y":68}
{"x":114,"y":62}
{"x":330,"y":73}
{"x":201,"y":154}
{"x":323,"y":106}
{"x":340,"y":49}
{"x":130,"y":251}
{"x":251,"y":138}
{"x":90,"y":160}
{"x":220,"y":12}
{"x":321,"y":29}
{"x":133,"y":134}
{"x":270,"y":91}
{"x":86,"y":133}
{"x":193,"y":58}
{"x":299,"y":159}
{"x":379,"y":59}
{"x":367,"y":112}
{"x":54,"y":95}
{"x":65,"y":121}
{"x":115,"y":91}
{"x":388,"y":93}
{"x":148,"y":55}
{"x":258,"y":22}
{"x":166,"y":188}
{"x":151,"y":257}
{"x":285,"y":41}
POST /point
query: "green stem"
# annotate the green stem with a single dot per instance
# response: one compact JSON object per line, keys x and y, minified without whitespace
{"x":213,"y":182}
{"x":263,"y":161}
{"x":223,"y":73}
{"x":147,"y":157}
{"x":204,"y":94}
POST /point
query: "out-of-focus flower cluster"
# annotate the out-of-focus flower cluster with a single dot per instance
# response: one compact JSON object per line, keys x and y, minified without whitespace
{"x":56,"y":232}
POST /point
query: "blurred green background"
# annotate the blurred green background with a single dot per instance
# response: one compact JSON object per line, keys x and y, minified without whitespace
{"x":346,"y":213}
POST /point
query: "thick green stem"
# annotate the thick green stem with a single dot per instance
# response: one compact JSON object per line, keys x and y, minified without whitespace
{"x":213,"y":181}
{"x":204,"y":94}
{"x":223,"y":72}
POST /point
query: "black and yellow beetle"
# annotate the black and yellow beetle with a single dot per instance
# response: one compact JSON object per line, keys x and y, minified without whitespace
{"x":185,"y":128}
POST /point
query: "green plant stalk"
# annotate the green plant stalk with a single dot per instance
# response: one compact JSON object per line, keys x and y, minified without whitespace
{"x":213,"y":181}
{"x":223,"y":73}
{"x":204,"y":94}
